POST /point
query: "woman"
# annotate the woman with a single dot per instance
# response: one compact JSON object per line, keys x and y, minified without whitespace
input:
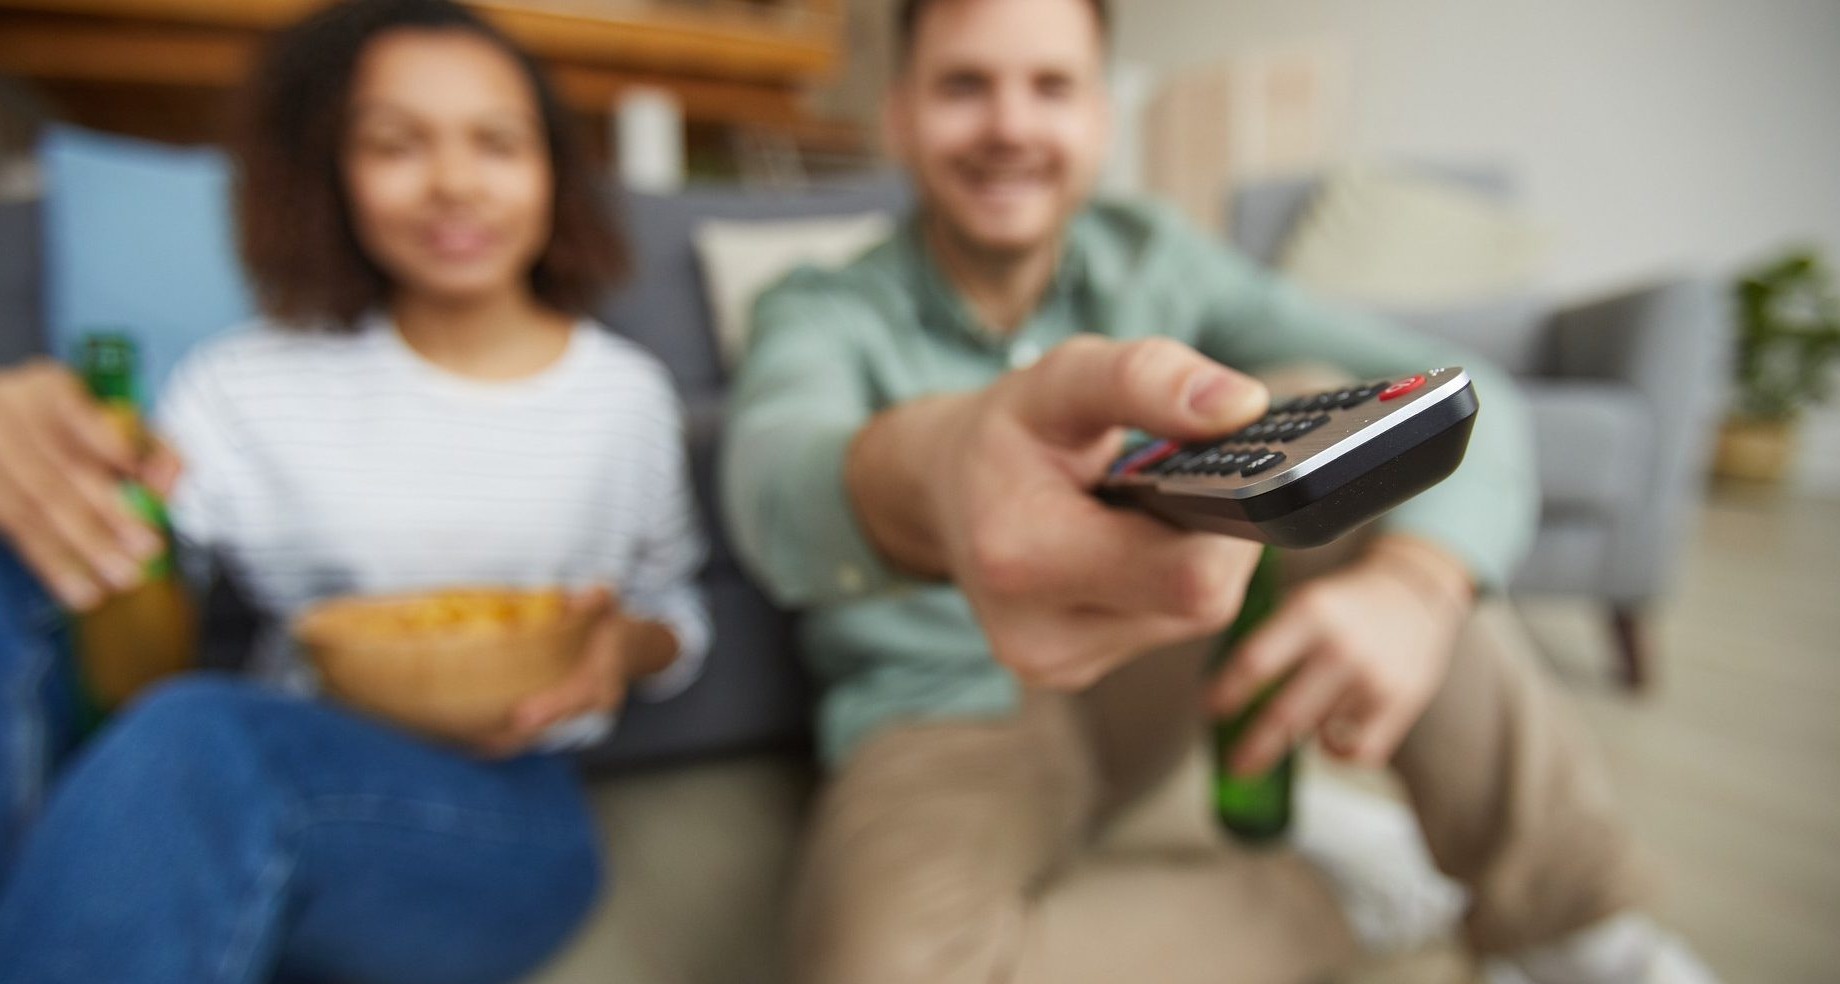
{"x":424,"y":405}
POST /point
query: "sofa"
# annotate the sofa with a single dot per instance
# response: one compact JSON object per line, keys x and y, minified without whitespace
{"x":1625,"y":392}
{"x":701,"y":799}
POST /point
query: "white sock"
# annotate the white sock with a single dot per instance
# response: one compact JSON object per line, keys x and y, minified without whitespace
{"x":1625,"y":949}
{"x":1375,"y":858}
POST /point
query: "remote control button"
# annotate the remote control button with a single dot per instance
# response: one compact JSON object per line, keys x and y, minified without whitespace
{"x":1321,"y":401}
{"x":1358,"y":396}
{"x":1401,"y":388}
{"x":1144,"y":457}
{"x":1262,"y":463}
{"x":1306,"y":426}
{"x":1289,"y":405}
{"x":1287,"y":430}
{"x":1200,"y":462}
{"x":1175,"y":462}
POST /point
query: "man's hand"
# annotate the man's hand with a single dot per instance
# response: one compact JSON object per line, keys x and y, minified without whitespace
{"x":993,"y":490}
{"x":619,"y":649}
{"x":1362,"y":651}
{"x":60,"y":467}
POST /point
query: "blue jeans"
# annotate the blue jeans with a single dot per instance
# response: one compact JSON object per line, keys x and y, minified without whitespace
{"x":216,"y":831}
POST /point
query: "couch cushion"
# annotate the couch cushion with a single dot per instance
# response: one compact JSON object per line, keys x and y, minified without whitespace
{"x":138,"y":236}
{"x":1262,"y":215}
{"x":1392,"y":237}
{"x":1511,"y":332}
{"x":665,"y":307}
{"x":739,"y":260}
{"x":1594,"y":444}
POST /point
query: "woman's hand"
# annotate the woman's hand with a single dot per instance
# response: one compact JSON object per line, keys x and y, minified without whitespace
{"x":61,"y":465}
{"x":619,"y":650}
{"x":1360,"y":651}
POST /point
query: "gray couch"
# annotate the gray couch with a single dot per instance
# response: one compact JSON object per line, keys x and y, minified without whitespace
{"x":1625,"y":392}
{"x":700,"y":799}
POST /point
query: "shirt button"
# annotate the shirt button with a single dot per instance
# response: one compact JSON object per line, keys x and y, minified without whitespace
{"x":1024,"y":354}
{"x":849,"y":578}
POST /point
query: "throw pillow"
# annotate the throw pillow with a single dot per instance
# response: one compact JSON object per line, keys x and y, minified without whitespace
{"x":741,"y":259}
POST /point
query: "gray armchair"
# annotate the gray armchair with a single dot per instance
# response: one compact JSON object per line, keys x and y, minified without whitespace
{"x":1624,"y":391}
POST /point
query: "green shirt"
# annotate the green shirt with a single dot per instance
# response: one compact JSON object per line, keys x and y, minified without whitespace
{"x":830,"y":349}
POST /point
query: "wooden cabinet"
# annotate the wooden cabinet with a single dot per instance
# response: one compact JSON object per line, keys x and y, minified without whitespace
{"x":160,"y":67}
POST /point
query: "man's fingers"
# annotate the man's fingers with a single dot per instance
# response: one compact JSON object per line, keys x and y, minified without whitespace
{"x":1070,"y":650}
{"x":1363,"y":731}
{"x":1269,"y":652}
{"x":1122,"y":561}
{"x":1294,"y":713}
{"x":1087,"y":386}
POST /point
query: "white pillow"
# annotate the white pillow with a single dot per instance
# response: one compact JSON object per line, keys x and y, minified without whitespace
{"x":1405,"y":240}
{"x":741,"y":259}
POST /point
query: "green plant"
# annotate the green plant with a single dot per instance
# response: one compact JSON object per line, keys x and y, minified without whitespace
{"x":1788,"y":338}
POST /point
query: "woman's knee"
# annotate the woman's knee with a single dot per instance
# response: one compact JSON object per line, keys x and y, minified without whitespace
{"x":188,"y":711}
{"x":188,"y":736}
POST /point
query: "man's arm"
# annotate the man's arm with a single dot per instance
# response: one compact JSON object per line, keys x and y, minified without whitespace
{"x":799,"y":399}
{"x":990,"y":489}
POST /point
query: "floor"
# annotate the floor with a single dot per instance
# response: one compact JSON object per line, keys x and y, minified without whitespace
{"x":1731,"y":767}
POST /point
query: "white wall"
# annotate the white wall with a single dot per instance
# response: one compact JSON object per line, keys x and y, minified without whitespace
{"x":1648,"y":134}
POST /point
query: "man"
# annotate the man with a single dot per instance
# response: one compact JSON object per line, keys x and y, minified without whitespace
{"x":1007,"y":662}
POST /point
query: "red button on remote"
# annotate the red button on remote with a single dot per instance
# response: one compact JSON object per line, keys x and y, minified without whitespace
{"x":1402,"y":387}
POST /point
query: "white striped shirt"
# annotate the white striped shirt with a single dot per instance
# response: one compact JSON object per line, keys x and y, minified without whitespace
{"x":320,"y":464}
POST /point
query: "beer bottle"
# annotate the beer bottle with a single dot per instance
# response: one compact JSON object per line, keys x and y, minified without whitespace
{"x":1253,"y":808}
{"x":147,"y":632}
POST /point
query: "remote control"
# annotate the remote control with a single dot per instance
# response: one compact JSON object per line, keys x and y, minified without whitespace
{"x":1314,"y":468}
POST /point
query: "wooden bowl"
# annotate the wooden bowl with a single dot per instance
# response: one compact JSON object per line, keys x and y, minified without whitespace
{"x":450,"y":664}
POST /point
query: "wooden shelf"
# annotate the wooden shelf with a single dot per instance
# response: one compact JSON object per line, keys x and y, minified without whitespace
{"x":734,"y":62}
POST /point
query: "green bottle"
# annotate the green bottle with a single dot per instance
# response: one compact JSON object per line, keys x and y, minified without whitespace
{"x":148,"y":632}
{"x":1253,"y":808}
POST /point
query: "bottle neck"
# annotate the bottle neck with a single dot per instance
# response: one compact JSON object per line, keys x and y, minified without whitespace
{"x":109,"y":363}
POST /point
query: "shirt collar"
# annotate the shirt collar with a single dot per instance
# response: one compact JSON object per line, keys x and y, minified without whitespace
{"x":942,"y":307}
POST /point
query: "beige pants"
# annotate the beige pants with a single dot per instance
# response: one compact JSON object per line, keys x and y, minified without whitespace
{"x":967,"y":852}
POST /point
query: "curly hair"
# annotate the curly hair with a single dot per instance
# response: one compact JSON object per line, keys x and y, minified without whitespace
{"x":295,"y":227}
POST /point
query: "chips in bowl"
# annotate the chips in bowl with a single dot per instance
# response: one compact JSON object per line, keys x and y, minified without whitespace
{"x":450,"y":664}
